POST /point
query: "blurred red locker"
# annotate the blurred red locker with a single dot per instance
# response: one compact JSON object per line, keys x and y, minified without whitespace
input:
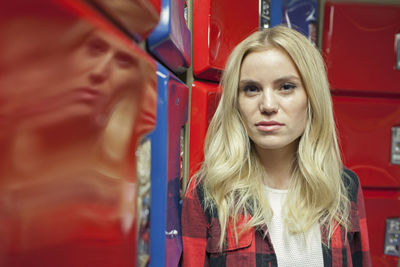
{"x":68,"y":183}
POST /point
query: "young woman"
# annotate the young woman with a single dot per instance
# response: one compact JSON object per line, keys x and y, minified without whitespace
{"x":272,"y":190}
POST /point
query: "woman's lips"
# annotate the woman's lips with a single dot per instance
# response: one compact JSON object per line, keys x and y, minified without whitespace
{"x":268,"y":126}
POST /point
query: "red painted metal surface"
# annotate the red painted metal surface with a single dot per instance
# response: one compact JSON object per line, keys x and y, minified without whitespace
{"x":218,"y":26}
{"x":68,"y":81}
{"x":204,"y":102}
{"x":364,"y":126}
{"x":358,"y":46}
{"x":380,"y":204}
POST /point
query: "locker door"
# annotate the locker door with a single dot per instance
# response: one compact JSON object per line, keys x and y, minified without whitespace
{"x":380,"y":205}
{"x":167,"y":146}
{"x":204,"y":102}
{"x":170,"y":40}
{"x":68,"y":181}
{"x":365,"y":126}
{"x":301,"y":15}
{"x":363,"y":37}
{"x":219,"y":25}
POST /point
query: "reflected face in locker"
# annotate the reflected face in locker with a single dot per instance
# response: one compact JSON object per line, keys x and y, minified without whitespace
{"x":272,"y":100}
{"x":78,"y":77}
{"x":103,"y":71}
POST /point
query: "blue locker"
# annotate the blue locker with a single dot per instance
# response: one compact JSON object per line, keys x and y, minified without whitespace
{"x":172,"y":114}
{"x":302,"y":16}
{"x":170,"y":40}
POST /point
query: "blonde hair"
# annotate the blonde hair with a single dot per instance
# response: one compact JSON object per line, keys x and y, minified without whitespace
{"x":232,"y":174}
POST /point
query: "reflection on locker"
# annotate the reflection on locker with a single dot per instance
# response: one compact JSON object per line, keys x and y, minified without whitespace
{"x":137,"y":18}
{"x":166,"y":170}
{"x":360,"y":52}
{"x":205,"y":98}
{"x":170,"y":40}
{"x":302,"y":16}
{"x":68,"y":183}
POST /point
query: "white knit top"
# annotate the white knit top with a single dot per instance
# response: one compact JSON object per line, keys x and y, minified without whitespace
{"x":292,"y":250}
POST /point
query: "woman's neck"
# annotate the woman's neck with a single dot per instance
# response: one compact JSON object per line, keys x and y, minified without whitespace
{"x":278,"y":164}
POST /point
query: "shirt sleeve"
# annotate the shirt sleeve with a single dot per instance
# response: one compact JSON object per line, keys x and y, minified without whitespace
{"x":359,"y":246}
{"x":194,"y":229}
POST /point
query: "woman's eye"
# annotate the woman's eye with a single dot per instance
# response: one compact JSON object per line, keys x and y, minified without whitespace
{"x":288,"y":87}
{"x":250,"y":89}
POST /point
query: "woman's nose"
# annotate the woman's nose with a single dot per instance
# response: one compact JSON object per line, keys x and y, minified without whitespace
{"x":269,"y":102}
{"x":102,"y":69}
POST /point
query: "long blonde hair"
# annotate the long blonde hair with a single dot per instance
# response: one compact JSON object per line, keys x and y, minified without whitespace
{"x":231,"y":173}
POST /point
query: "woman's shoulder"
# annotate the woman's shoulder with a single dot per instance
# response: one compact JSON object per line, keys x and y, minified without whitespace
{"x":194,"y":189}
{"x":194,"y":204}
{"x":351,"y":182}
{"x":195,"y":195}
{"x":195,"y":192}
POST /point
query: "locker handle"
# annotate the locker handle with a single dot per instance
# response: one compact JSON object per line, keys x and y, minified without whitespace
{"x":171,"y":234}
{"x":264,"y":8}
{"x":397,"y":49}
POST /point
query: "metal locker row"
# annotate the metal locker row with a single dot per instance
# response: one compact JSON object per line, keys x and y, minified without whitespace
{"x":92,"y":126}
{"x":359,"y":46}
{"x":100,"y":200}
{"x":166,"y":170}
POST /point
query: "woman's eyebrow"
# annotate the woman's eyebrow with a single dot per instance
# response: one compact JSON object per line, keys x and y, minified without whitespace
{"x":287,"y":78}
{"x":242,"y":82}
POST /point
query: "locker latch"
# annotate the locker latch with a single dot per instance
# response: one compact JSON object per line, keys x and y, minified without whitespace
{"x":397,"y":49}
{"x":264,"y":10}
{"x":395,"y":150}
{"x":392,"y":237}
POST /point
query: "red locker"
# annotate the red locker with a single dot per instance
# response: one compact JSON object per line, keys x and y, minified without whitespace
{"x":218,"y":26}
{"x":364,"y":125}
{"x":205,"y":98}
{"x":359,"y":47}
{"x":381,"y":204}
{"x":68,"y":183}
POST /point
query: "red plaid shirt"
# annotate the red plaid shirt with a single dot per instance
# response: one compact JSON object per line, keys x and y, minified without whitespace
{"x":201,"y":231}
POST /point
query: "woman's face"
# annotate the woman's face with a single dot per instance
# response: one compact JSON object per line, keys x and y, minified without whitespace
{"x":272,"y":100}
